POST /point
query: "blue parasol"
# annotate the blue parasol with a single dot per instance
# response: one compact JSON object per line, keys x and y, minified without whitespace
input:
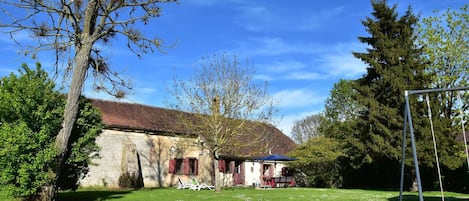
{"x":275,"y":157}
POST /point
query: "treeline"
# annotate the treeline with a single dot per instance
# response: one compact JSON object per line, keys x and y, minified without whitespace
{"x":357,"y":140}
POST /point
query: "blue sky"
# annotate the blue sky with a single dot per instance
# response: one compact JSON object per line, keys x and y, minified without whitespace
{"x":301,"y":47}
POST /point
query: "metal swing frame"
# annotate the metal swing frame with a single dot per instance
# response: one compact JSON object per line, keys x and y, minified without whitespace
{"x":408,"y":119}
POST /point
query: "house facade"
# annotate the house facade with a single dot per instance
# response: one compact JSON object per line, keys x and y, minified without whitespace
{"x":149,"y":143}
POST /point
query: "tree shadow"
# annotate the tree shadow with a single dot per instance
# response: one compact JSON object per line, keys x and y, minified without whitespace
{"x":92,"y":195}
{"x":426,"y":198}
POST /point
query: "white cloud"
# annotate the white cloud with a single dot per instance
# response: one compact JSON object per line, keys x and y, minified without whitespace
{"x":339,"y":61}
{"x":145,"y":90}
{"x":344,"y":65}
{"x":264,"y":18}
{"x":207,"y":3}
{"x":270,"y":47}
{"x":263,"y":77}
{"x":275,"y":46}
{"x":280,"y":70}
{"x":256,"y":18}
{"x":305,"y":61}
{"x":320,"y":18}
{"x":304,"y":75}
{"x":283,"y":66}
{"x":297,"y":98}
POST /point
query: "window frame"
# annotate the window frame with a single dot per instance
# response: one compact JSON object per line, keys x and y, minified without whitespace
{"x":184,"y":166}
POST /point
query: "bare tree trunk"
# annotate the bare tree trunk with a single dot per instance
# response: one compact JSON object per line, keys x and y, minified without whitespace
{"x":70,"y":115}
{"x":71,"y":107}
{"x":46,"y":194}
{"x":217,"y":175}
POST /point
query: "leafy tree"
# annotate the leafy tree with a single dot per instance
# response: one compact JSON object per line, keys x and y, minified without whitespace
{"x":340,"y":105}
{"x":318,"y":158}
{"x":394,"y":65}
{"x":341,"y":112}
{"x":227,"y":105}
{"x":444,"y":39}
{"x":30,"y":117}
{"x":73,"y":30}
{"x":445,"y":42}
{"x":307,"y":128}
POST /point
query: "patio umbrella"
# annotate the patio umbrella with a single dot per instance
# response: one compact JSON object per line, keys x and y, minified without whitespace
{"x":275,"y":157}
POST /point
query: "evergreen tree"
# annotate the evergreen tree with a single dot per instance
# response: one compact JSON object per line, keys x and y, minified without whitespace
{"x":394,"y":65}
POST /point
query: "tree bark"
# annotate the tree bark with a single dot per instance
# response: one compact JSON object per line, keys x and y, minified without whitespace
{"x":71,"y":107}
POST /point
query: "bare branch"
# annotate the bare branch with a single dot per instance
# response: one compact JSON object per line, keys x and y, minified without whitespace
{"x":59,"y":26}
{"x":72,"y":29}
{"x":229,"y":104}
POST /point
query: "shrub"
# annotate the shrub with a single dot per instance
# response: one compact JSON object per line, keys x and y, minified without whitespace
{"x":31,"y":111}
{"x":318,"y":162}
{"x":127,"y":180}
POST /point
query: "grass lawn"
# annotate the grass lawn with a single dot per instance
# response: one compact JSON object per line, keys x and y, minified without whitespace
{"x":282,"y":194}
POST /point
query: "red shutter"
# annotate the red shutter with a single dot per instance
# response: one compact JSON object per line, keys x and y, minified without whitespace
{"x":196,"y":166}
{"x":172,"y":166}
{"x":221,"y":165}
{"x":185,"y":166}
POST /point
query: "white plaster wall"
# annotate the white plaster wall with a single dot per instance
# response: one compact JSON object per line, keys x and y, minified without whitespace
{"x":226,"y":179}
{"x":105,"y":170}
{"x":252,"y":173}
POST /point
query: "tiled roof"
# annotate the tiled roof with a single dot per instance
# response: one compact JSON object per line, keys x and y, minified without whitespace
{"x":138,"y":117}
{"x":128,"y":116}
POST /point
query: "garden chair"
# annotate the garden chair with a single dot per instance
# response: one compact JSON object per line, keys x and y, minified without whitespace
{"x":183,"y":185}
{"x":200,"y":186}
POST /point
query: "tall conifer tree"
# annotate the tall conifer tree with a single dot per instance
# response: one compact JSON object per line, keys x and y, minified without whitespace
{"x":394,"y":66}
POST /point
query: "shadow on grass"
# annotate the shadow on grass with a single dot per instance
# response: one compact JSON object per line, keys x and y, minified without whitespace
{"x":426,"y":198}
{"x":92,"y":195}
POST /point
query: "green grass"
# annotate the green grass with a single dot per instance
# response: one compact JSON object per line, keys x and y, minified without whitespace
{"x":241,"y":194}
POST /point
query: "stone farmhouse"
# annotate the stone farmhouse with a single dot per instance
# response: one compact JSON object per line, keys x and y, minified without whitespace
{"x":150,"y":142}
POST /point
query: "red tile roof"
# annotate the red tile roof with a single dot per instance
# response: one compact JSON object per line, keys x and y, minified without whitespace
{"x":154,"y":120}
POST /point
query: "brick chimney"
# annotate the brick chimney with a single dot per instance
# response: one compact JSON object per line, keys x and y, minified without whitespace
{"x":216,"y":105}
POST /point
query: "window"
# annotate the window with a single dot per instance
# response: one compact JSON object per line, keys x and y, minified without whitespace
{"x":186,"y":166}
{"x":237,"y":165}
{"x":225,"y":166}
{"x":267,"y":170}
{"x":286,"y":171}
{"x":228,"y":167}
{"x":192,"y":167}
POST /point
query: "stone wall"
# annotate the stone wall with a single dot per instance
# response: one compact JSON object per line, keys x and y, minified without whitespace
{"x":153,"y":153}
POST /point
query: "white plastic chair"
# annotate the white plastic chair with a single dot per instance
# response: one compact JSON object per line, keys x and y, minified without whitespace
{"x":200,"y":186}
{"x":183,"y":185}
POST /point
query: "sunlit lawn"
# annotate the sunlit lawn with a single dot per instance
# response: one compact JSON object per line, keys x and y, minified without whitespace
{"x":283,"y":194}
